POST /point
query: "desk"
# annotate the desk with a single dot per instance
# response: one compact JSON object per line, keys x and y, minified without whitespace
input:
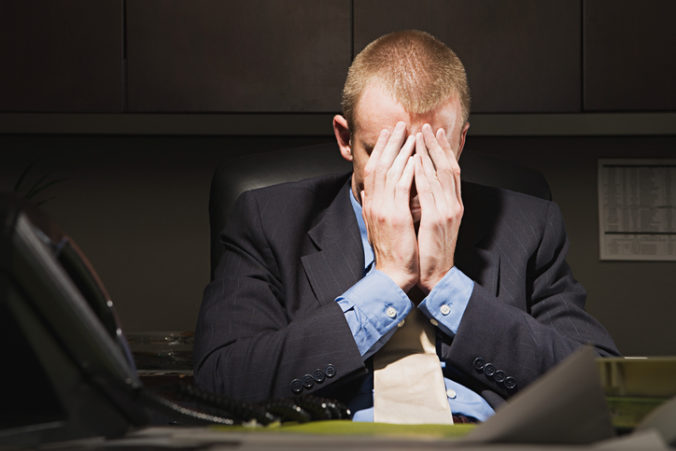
{"x":334,"y":438}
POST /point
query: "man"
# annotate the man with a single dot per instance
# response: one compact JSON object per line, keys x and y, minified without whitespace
{"x":318,"y":275}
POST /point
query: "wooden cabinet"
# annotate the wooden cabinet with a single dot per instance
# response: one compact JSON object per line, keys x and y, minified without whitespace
{"x":629,"y":55}
{"x":237,"y":56}
{"x":271,"y":56}
{"x":61,"y":56}
{"x":520,"y":56}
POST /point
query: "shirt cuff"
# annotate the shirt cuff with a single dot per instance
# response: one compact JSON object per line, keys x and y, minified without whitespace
{"x":447,"y":301}
{"x":373,"y":307}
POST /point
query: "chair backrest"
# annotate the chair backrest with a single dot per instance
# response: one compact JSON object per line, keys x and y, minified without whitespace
{"x":261,"y":169}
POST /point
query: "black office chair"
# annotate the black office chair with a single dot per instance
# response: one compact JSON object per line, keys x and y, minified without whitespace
{"x":257,"y":170}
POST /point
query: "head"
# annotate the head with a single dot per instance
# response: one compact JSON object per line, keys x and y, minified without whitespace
{"x":404,"y":76}
{"x":416,"y":69}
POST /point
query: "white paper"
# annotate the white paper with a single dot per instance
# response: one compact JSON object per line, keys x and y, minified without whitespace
{"x":662,"y":420}
{"x":643,"y":440}
{"x":637,"y":209}
{"x":565,"y":406}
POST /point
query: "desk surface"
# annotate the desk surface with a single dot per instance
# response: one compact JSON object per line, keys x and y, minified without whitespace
{"x":333,"y":436}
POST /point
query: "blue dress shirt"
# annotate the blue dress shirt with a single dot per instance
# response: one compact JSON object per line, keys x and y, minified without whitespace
{"x":368,"y":307}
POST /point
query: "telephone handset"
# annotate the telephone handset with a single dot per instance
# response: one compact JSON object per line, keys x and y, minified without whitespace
{"x":62,"y":325}
{"x":87,"y":281}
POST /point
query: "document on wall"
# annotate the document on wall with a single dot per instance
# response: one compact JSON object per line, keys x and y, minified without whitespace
{"x":637,"y":209}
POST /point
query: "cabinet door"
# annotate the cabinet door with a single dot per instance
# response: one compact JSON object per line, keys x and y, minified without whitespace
{"x":629,"y":55}
{"x":61,"y":55}
{"x":237,"y":56}
{"x":520,"y":55}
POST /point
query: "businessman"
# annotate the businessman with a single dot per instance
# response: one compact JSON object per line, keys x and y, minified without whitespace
{"x":320,"y":277}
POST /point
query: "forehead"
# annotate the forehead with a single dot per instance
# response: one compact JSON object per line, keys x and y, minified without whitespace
{"x":377,"y":110}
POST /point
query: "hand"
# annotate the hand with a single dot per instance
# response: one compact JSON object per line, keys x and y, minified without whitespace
{"x":437,"y":180}
{"x":388,"y":177}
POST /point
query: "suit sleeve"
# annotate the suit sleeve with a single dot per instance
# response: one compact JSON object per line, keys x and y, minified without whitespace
{"x":503,"y":347}
{"x":251,"y":342}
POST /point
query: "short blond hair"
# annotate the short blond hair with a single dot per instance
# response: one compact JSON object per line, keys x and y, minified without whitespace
{"x":415,"y":68}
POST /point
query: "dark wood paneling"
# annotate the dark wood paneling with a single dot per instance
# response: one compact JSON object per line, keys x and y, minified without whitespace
{"x":520,"y":56}
{"x":629,"y":59}
{"x":61,"y":55}
{"x":213,"y":55}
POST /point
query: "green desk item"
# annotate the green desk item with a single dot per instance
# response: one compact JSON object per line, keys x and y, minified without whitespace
{"x":346,"y":427}
{"x":635,"y":386}
{"x":362,"y":429}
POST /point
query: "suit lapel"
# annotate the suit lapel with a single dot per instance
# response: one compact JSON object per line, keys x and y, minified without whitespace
{"x":480,"y":265}
{"x":335,"y":258}
{"x":473,"y":255}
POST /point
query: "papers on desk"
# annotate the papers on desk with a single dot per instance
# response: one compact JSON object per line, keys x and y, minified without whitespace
{"x":662,"y":420}
{"x":569,"y":405}
{"x":566,"y":406}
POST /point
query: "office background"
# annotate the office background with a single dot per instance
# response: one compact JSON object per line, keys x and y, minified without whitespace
{"x":131,"y":105}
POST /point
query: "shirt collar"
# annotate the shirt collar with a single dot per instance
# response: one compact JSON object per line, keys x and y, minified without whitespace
{"x":368,"y":250}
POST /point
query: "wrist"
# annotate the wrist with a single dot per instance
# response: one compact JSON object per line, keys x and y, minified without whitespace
{"x":404,"y":280}
{"x":427,"y":284}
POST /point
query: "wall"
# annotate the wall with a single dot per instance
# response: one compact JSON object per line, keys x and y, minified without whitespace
{"x":137,"y":206}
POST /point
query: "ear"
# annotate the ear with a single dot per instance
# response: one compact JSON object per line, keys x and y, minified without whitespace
{"x":342,"y":132}
{"x":461,"y":145}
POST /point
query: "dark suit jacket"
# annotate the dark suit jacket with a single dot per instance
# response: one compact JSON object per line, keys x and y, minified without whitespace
{"x":269,"y":322}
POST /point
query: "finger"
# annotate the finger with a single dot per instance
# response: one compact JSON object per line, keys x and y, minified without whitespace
{"x":437,"y":154}
{"x":403,"y":192}
{"x":443,"y":141}
{"x":383,"y":136}
{"x":370,"y":174}
{"x":378,"y":168}
{"x":426,"y":161}
{"x":454,"y":166}
{"x":393,"y":146}
{"x":445,"y":144}
{"x":439,"y":189}
{"x":401,"y":160}
{"x":422,"y":185}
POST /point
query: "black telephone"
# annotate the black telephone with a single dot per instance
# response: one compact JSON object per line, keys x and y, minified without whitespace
{"x":68,"y":371}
